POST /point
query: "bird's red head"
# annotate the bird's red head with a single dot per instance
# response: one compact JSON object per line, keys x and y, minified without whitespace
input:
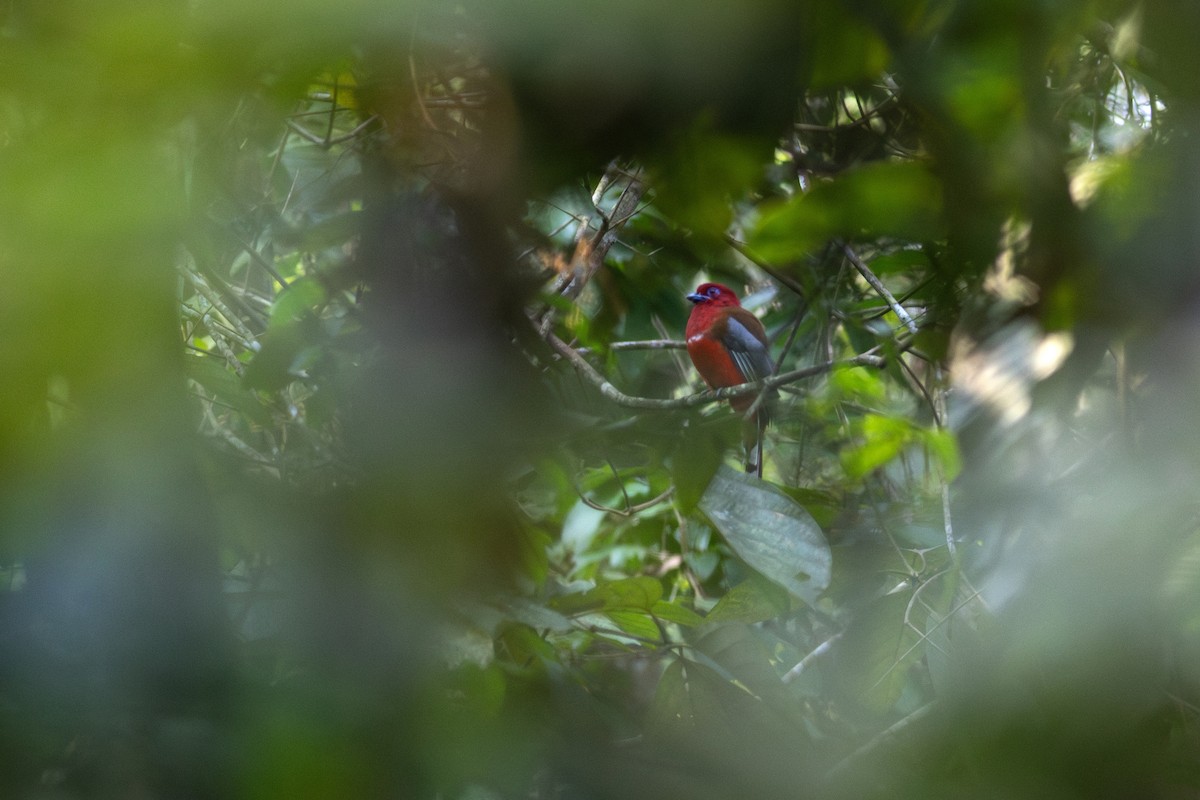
{"x":714,"y":295}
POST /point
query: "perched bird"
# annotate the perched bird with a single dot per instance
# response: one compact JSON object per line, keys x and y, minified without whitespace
{"x":729,"y":347}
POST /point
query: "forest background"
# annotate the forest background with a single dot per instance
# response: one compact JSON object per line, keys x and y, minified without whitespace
{"x":348,"y":448}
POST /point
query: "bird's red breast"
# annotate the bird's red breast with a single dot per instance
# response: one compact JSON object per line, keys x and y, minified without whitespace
{"x":726,"y":342}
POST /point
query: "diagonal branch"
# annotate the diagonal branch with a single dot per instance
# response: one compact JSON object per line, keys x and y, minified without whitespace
{"x":878,"y":286}
{"x":590,"y":251}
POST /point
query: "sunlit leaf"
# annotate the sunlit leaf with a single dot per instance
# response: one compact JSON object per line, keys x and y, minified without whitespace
{"x":858,"y":383}
{"x":881,"y":439}
{"x":944,"y":446}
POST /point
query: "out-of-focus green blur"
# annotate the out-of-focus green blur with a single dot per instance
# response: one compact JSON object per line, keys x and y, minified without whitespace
{"x":297,"y":500}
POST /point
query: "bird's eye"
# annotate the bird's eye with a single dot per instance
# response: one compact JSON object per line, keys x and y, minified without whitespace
{"x":713,"y":291}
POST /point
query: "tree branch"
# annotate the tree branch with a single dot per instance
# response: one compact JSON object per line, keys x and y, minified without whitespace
{"x":590,"y":251}
{"x":593,"y":376}
{"x":878,"y":286}
{"x":649,"y":344}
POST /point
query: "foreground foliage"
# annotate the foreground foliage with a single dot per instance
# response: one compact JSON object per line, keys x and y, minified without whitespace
{"x":350,"y":447}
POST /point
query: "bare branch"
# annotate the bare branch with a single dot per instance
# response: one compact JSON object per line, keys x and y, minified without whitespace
{"x":590,"y":251}
{"x":878,"y":286}
{"x":880,"y":738}
{"x":649,"y":344}
{"x":816,"y":653}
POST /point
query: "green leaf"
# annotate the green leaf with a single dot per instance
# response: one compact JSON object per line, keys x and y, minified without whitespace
{"x":635,"y":623}
{"x":631,"y":593}
{"x":878,"y":649}
{"x":673,"y":612}
{"x":271,"y":368}
{"x":297,"y":301}
{"x":770,"y":532}
{"x":738,"y":650}
{"x":537,"y":616}
{"x":882,"y":439}
{"x":212,"y":374}
{"x":700,"y":453}
{"x":900,"y":199}
{"x":696,"y":177}
{"x":480,"y":689}
{"x":845,"y":50}
{"x":753,"y":600}
{"x":944,"y":446}
{"x":858,"y":383}
{"x":899,"y":262}
{"x":693,"y":698}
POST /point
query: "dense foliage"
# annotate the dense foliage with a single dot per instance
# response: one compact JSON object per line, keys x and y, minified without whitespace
{"x":349,"y":447}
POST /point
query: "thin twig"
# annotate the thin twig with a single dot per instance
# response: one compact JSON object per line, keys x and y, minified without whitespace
{"x":592,"y":248}
{"x":880,"y":738}
{"x":942,"y":419}
{"x":855,"y":122}
{"x":816,"y":653}
{"x":630,"y":508}
{"x":878,"y":286}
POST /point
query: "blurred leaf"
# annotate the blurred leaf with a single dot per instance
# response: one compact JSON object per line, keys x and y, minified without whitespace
{"x":770,"y":532}
{"x":635,"y":623}
{"x":296,"y":302}
{"x":882,"y":439}
{"x":222,"y":382}
{"x":480,"y":689}
{"x":878,"y":649}
{"x":274,"y":366}
{"x":673,"y":612}
{"x":894,"y":198}
{"x":581,"y":526}
{"x":846,"y":51}
{"x":699,"y":174}
{"x":688,"y":696}
{"x":899,"y":262}
{"x":944,"y":446}
{"x":753,"y":600}
{"x":537,"y":616}
{"x":699,"y":454}
{"x":737,"y":649}
{"x":859,"y":384}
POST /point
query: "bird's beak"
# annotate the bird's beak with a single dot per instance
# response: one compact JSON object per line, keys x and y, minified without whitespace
{"x":696,"y":298}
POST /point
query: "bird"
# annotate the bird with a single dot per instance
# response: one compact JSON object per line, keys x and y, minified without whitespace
{"x":729,"y":346}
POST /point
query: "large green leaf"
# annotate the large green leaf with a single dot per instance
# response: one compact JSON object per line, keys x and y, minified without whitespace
{"x":770,"y":532}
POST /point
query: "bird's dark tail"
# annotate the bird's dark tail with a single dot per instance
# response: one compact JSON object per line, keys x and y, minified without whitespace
{"x":752,"y":443}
